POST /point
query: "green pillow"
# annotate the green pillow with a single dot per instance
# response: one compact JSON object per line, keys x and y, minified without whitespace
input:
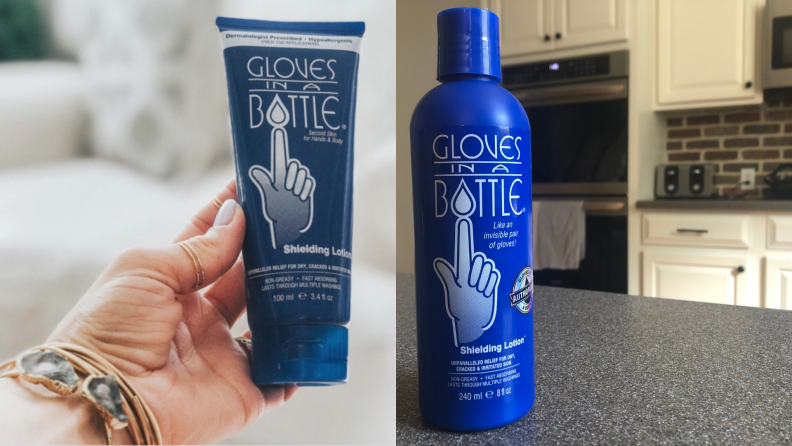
{"x":21,"y":30}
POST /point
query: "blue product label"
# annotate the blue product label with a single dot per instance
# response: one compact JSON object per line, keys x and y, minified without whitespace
{"x":476,"y":198}
{"x":292,"y":102}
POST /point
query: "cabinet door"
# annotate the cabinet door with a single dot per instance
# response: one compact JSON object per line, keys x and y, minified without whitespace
{"x":778,"y":283}
{"x":588,"y":22}
{"x":706,"y":50}
{"x":779,"y":232}
{"x":701,"y":278}
{"x":524,"y":26}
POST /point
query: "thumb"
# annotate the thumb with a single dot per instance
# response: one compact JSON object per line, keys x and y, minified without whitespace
{"x":445,"y":272}
{"x":205,"y":258}
{"x":262,"y":179}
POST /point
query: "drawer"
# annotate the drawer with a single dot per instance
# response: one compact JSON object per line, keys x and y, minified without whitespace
{"x":779,"y":232}
{"x":700,"y":230}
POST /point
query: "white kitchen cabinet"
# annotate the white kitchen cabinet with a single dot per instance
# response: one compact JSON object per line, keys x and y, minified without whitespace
{"x":708,"y":53}
{"x":535,"y":26}
{"x":588,"y":22}
{"x":778,"y":283}
{"x":779,"y":232}
{"x":525,"y":25}
{"x":681,"y":275}
{"x":705,"y":266}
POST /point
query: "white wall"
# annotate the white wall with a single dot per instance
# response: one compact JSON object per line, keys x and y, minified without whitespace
{"x":416,"y":51}
{"x":647,"y":132}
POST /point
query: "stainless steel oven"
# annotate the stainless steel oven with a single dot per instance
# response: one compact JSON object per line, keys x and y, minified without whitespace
{"x":604,"y":267}
{"x":577,"y":108}
{"x":578,"y":113}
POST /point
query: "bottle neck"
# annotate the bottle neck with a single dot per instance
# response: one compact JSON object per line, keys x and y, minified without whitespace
{"x":467,"y":77}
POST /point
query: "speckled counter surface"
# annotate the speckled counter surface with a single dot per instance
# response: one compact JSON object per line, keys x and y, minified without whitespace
{"x":618,"y":369}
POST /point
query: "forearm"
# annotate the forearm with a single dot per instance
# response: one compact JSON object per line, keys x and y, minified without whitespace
{"x":34,"y":415}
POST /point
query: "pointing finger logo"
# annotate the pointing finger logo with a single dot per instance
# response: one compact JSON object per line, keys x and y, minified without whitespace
{"x":287,"y":187}
{"x":471,"y":283}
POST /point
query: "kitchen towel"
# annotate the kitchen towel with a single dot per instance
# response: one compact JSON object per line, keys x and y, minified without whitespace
{"x":559,"y":234}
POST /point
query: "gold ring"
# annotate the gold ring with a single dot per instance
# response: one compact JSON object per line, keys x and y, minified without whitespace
{"x":217,"y":202}
{"x":200,"y":275}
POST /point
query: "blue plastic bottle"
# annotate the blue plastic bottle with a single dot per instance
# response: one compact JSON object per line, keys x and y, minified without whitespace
{"x":471,"y":168}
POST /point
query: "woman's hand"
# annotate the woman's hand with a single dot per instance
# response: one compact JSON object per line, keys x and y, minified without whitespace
{"x":172,"y":341}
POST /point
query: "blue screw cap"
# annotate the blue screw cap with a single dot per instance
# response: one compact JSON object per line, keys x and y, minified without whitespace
{"x":304,"y":355}
{"x":468,"y":42}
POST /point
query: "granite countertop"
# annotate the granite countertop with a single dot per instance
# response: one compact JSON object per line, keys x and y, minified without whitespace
{"x":619,"y":369}
{"x":726,"y":205}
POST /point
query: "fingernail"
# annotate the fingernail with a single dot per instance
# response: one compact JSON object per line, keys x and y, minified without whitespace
{"x":226,"y":213}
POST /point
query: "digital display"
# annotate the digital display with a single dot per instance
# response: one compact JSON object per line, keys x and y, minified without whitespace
{"x":558,"y":70}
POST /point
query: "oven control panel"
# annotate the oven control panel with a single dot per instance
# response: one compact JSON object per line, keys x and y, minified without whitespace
{"x":558,"y":70}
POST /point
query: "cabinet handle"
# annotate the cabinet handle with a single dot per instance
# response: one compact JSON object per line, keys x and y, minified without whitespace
{"x":740,"y":269}
{"x":693,"y":231}
{"x":547,"y":37}
{"x":748,"y":84}
{"x":558,"y":36}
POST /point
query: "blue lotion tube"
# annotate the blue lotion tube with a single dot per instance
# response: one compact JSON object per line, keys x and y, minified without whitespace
{"x":291,"y":89}
{"x":471,"y":171}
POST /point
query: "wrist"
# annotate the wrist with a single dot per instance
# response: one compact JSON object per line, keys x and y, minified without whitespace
{"x":31,"y":414}
{"x":285,"y":233}
{"x":467,"y":331}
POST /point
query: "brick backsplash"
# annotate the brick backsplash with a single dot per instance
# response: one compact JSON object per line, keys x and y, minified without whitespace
{"x":732,"y":138}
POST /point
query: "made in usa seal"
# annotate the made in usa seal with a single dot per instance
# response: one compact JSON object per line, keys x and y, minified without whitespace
{"x":521,"y":296}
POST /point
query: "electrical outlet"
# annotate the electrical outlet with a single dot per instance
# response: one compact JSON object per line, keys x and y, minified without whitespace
{"x":748,"y":178}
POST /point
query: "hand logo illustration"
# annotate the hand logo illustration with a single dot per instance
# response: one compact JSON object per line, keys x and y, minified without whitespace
{"x":286,"y":189}
{"x":471,"y":285}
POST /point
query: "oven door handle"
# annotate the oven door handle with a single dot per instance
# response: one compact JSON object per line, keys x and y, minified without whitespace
{"x":599,"y":208}
{"x":603,"y":206}
{"x":572,"y":93}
